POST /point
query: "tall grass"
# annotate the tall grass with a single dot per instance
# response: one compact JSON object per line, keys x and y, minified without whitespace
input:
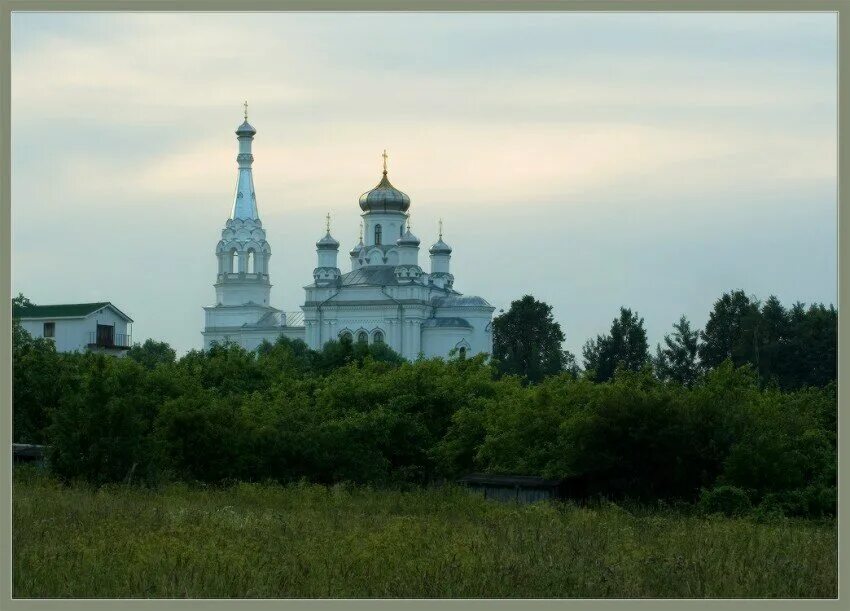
{"x":253,"y":540}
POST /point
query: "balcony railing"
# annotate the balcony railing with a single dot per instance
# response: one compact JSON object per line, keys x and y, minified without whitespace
{"x":118,"y":341}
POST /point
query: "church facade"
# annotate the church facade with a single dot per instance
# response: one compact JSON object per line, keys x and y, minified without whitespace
{"x":385,"y":297}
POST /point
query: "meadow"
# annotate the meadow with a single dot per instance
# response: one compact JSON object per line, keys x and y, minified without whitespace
{"x":269,"y":540}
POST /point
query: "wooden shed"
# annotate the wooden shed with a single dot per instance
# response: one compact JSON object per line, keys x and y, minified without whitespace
{"x":517,"y":488}
{"x":26,"y":452}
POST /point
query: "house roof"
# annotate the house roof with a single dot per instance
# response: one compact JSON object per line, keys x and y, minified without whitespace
{"x":63,"y":310}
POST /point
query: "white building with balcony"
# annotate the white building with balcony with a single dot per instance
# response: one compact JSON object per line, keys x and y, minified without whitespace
{"x":79,"y":327}
{"x":386,"y":297}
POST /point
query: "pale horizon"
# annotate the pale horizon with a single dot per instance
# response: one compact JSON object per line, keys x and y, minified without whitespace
{"x":652,"y":161}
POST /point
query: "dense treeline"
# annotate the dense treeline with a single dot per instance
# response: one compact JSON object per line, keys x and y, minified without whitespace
{"x":731,"y":435}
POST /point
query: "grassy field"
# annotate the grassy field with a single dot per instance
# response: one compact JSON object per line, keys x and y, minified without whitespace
{"x":311,"y":541}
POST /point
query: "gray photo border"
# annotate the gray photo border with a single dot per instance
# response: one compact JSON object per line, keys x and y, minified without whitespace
{"x":843,"y":228}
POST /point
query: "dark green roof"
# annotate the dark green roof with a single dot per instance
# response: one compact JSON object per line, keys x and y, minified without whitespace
{"x":62,"y":310}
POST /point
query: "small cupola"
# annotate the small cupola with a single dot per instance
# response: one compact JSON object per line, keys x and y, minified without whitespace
{"x":408,"y":239}
{"x":440,"y":247}
{"x":246,"y":129}
{"x":327,"y":242}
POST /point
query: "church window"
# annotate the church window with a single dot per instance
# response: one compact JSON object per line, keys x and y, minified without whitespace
{"x":345,"y":336}
{"x":377,"y":235}
{"x":462,"y":352}
{"x":250,"y":261}
{"x":363,"y":337}
{"x":234,"y":261}
{"x":378,"y":337}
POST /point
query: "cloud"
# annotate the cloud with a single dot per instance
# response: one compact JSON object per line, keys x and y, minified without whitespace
{"x":601,"y":133}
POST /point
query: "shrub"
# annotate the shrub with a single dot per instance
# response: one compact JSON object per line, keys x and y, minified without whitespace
{"x":728,"y":500}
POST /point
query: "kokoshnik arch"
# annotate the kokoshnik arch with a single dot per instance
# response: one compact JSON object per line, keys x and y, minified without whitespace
{"x":386,"y":297}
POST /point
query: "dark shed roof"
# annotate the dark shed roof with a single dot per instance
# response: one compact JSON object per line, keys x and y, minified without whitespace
{"x":508,"y":481}
{"x":27,"y":450}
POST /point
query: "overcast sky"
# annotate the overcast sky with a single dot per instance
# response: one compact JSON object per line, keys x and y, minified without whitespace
{"x":591,"y":160}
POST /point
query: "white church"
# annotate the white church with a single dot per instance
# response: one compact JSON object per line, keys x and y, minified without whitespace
{"x":385,"y":297}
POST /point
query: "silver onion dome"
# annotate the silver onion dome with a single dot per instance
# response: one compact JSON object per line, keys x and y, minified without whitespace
{"x":384,"y":197}
{"x":327,"y":243}
{"x":408,"y":239}
{"x":440,"y":248}
{"x":246,"y":129}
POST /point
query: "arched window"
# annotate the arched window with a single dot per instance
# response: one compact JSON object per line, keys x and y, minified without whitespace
{"x":250,"y":261}
{"x":378,"y":235}
{"x":363,"y":337}
{"x":345,"y":336}
{"x":234,"y":261}
{"x":378,"y":337}
{"x":462,"y":352}
{"x":401,"y":230}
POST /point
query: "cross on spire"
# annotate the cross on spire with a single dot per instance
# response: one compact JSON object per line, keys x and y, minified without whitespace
{"x":361,"y":231}
{"x":328,"y":222}
{"x":441,"y":229}
{"x":245,"y":105}
{"x":385,"y":160}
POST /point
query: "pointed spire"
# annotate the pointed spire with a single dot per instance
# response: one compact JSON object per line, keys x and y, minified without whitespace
{"x":244,"y":200}
{"x":361,"y":232}
{"x":385,"y":161}
{"x":441,"y":228}
{"x":328,"y":222}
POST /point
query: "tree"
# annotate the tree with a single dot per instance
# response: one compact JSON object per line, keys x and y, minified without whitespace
{"x":151,"y":353}
{"x":101,"y":431}
{"x":731,"y":331}
{"x":20,"y":302}
{"x":772,"y":342}
{"x":812,"y":346}
{"x":792,"y":348}
{"x":678,"y":360}
{"x":626,"y":346}
{"x":38,"y":374}
{"x":527,"y":340}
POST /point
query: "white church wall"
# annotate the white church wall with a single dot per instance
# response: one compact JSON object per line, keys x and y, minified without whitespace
{"x":437,"y":341}
{"x":238,"y":290}
{"x":392,"y":224}
{"x":235,"y":316}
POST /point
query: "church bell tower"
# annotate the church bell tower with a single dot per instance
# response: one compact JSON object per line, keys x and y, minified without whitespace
{"x":243,"y":252}
{"x":242,"y":287}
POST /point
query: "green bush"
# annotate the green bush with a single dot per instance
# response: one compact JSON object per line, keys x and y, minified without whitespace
{"x":361,"y":414}
{"x":728,"y":500}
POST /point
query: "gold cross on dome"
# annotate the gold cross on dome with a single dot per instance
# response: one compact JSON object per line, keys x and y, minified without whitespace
{"x":245,"y":105}
{"x":361,"y":231}
{"x":385,"y":160}
{"x":441,"y":229}
{"x":328,"y":222}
